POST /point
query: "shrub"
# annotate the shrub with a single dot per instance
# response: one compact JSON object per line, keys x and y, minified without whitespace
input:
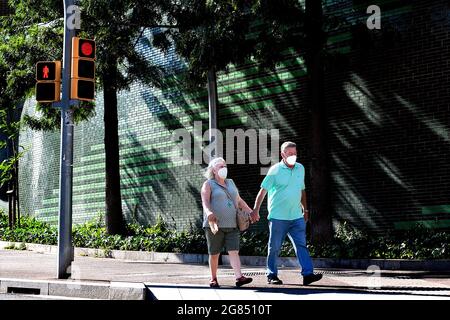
{"x":348,"y":243}
{"x":30,"y":230}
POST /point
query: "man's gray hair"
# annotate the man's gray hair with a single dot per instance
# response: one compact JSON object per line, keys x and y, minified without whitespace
{"x":288,"y":144}
{"x":209,"y":174}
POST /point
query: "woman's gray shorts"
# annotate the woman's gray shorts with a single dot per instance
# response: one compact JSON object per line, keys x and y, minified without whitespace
{"x":225,"y":237}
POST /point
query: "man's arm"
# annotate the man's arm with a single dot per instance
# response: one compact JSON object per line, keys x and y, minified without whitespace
{"x":305,"y":206}
{"x":259,"y":199}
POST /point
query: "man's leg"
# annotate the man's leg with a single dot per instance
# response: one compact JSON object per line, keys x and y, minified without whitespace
{"x":278,"y":230}
{"x":297,"y":235}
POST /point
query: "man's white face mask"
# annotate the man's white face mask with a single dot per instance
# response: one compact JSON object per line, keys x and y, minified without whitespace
{"x":291,"y":160}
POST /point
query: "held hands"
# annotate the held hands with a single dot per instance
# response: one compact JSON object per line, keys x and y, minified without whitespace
{"x":254,"y":216}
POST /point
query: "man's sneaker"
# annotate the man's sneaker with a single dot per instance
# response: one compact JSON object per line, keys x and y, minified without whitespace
{"x":310,"y":278}
{"x":243,"y":280}
{"x":274,"y":280}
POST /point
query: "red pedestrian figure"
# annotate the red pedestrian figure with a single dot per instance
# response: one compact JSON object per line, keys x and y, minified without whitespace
{"x":45,"y":71}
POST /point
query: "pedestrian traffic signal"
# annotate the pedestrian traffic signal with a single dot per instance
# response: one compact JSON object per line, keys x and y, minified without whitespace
{"x":83,"y":69}
{"x":48,"y":76}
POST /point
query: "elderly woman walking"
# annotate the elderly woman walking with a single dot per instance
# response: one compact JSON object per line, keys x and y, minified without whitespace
{"x":220,"y":200}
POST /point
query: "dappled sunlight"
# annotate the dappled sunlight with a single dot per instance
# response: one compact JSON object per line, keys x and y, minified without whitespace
{"x":159,"y":158}
{"x":429,"y":121}
{"x":393,"y":172}
{"x":342,"y":139}
{"x":251,"y":94}
{"x":354,"y":205}
{"x":358,"y":92}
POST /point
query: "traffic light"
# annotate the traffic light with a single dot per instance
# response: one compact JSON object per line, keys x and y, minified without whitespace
{"x":83,"y":69}
{"x":48,"y":76}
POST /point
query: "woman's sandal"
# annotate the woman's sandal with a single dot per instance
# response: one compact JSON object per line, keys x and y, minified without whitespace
{"x":243,"y":280}
{"x":213,"y":283}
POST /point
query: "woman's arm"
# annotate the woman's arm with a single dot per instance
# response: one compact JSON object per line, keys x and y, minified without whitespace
{"x":206,"y":203}
{"x":242,"y":204}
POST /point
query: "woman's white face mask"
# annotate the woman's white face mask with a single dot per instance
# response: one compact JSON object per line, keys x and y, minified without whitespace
{"x":222,"y":173}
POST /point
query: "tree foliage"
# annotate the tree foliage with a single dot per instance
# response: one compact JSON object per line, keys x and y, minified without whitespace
{"x":33,"y":33}
{"x":216,"y":33}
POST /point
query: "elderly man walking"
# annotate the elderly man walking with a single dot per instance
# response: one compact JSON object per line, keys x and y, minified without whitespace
{"x":285,"y":184}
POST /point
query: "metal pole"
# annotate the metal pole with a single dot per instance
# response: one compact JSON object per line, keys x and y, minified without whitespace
{"x":65,"y":248}
{"x":212,"y":102}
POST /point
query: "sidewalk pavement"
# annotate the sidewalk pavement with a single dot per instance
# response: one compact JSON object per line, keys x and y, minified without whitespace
{"x":28,"y":272}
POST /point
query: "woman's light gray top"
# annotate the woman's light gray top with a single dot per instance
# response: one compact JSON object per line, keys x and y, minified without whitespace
{"x":221,"y":205}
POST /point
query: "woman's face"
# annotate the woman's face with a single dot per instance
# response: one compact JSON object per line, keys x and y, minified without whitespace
{"x":219,"y":166}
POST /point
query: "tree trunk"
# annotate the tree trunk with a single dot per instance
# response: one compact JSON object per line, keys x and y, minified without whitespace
{"x":10,"y":205}
{"x":321,"y":223}
{"x":15,"y":180}
{"x":11,"y":153}
{"x":212,"y":103}
{"x":115,"y":223}
{"x":17,"y":193}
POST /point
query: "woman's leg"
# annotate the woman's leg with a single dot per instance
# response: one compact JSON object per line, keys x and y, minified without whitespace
{"x":215,"y":243}
{"x":235,"y":262}
{"x":213,"y":265}
{"x":232,"y":244}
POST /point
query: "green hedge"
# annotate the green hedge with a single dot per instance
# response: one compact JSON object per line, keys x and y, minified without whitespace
{"x":348,"y":243}
{"x":417,"y":243}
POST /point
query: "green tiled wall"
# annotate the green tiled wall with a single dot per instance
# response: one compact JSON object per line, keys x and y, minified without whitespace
{"x":376,"y":143}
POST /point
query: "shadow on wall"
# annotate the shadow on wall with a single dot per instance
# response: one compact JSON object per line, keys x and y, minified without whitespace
{"x":389,"y":136}
{"x":159,"y":184}
{"x":265,"y":99}
{"x":167,"y":195}
{"x":268,"y":100}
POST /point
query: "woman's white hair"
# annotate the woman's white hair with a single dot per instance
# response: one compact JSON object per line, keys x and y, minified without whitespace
{"x":209,"y":174}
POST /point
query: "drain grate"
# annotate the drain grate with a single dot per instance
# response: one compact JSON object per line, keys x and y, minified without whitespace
{"x":263,"y":273}
{"x":247,"y":273}
{"x":18,"y":290}
{"x":410,"y":288}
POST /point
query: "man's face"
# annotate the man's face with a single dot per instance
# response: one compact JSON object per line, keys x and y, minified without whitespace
{"x":289,"y":152}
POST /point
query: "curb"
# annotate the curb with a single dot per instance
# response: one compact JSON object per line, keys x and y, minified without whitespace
{"x":76,"y":289}
{"x":169,"y":257}
{"x":163,"y":257}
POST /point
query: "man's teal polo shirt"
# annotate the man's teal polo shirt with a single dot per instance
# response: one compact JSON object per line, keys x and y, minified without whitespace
{"x":284,"y":187}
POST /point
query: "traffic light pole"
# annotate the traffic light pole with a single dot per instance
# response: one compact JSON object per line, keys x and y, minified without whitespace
{"x":65,"y":248}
